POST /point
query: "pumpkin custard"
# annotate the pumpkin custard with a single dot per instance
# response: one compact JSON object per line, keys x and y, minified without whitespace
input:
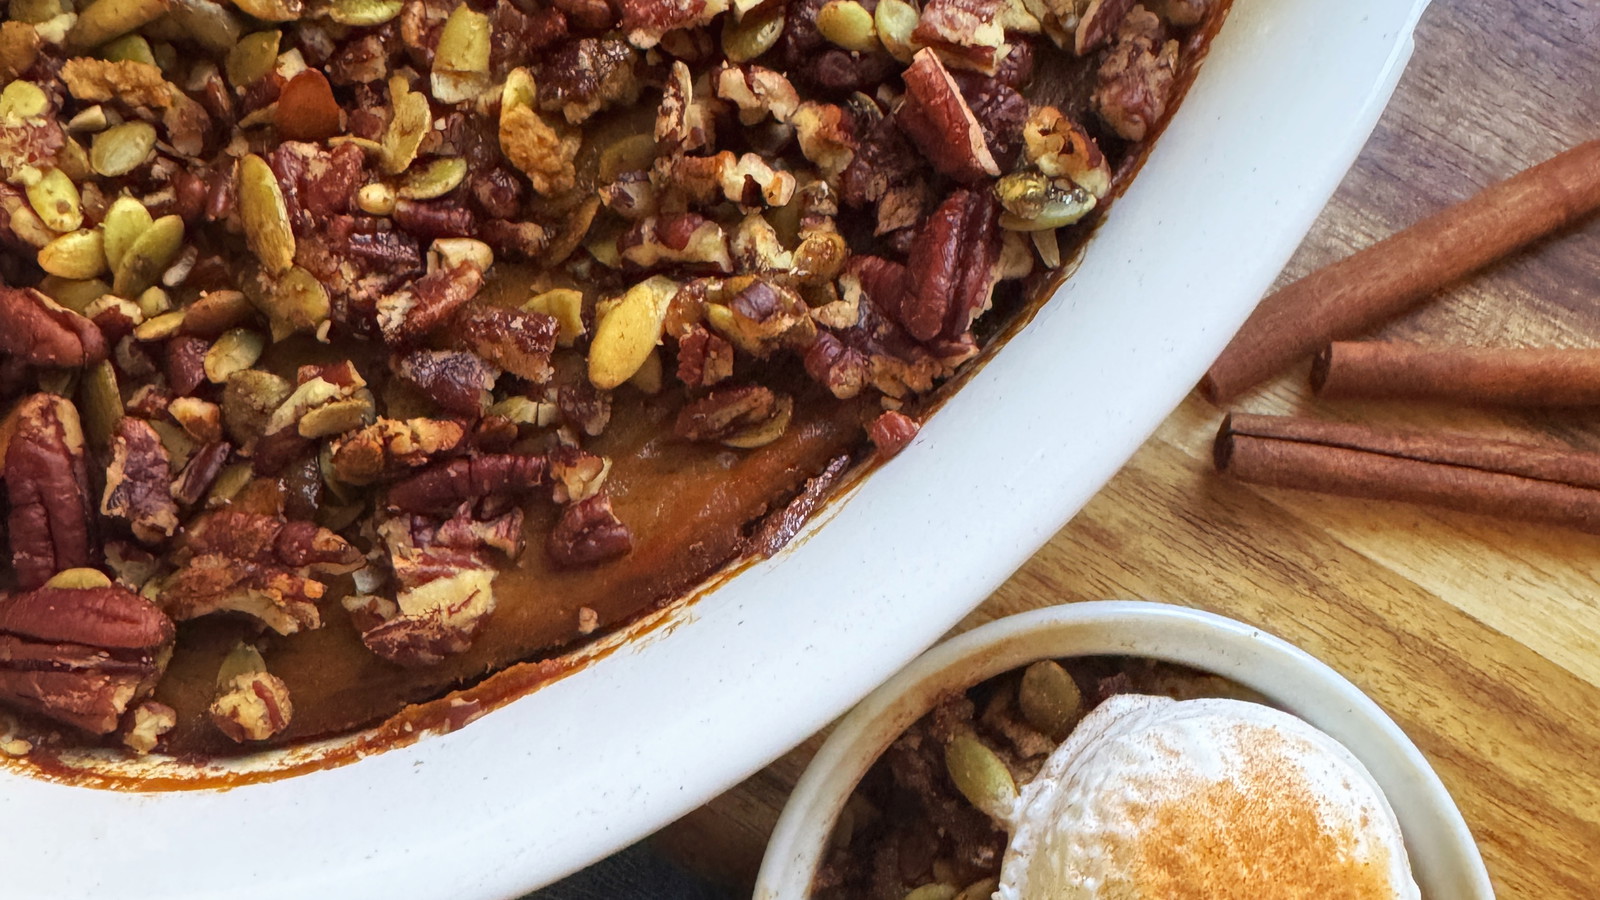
{"x":355,"y":350}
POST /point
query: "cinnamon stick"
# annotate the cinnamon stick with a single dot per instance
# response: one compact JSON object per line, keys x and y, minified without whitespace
{"x":1462,"y":472}
{"x":1392,"y":370}
{"x":1353,"y":296}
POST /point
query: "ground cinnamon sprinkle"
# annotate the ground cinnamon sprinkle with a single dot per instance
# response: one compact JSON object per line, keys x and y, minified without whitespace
{"x":1258,"y":835}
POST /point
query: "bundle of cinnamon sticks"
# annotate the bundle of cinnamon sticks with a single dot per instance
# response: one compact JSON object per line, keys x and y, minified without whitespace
{"x":1318,"y":314}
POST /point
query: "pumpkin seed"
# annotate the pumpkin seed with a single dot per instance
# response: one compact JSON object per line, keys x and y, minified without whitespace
{"x":214,"y":312}
{"x":148,"y":256}
{"x":298,"y":302}
{"x":848,"y":24}
{"x":265,"y":215}
{"x":77,"y":255}
{"x":206,"y":22}
{"x":55,"y":198}
{"x":980,"y":775}
{"x":35,"y":12}
{"x":933,"y":892}
{"x":634,"y":153}
{"x":376,"y":198}
{"x":895,"y":21}
{"x":228,"y":483}
{"x":78,"y":580}
{"x":252,"y":58}
{"x":160,"y":328}
{"x":125,"y":221}
{"x":566,"y":305}
{"x":409,"y":122}
{"x":248,"y":402}
{"x":103,"y":20}
{"x":122,"y":148}
{"x":23,"y":100}
{"x":364,"y":13}
{"x":461,"y":61}
{"x":519,"y":409}
{"x":233,"y":352}
{"x":154,"y":301}
{"x":1049,"y":699}
{"x":437,"y":178}
{"x":629,"y":331}
{"x":128,"y":48}
{"x":101,"y":401}
{"x":520,"y":90}
{"x":338,"y":416}
{"x":272,"y":10}
{"x":243,"y":659}
{"x":89,"y":119}
{"x":979,"y":890}
{"x":753,"y":34}
{"x":73,"y":161}
{"x":74,"y":294}
{"x":649,"y":380}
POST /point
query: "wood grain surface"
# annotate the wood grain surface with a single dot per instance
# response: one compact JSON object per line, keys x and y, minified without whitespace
{"x":1481,"y":638}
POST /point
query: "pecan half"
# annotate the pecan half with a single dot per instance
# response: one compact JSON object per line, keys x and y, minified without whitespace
{"x":951,"y":269}
{"x":51,"y":523}
{"x":442,"y":488}
{"x":138,"y":482}
{"x":938,"y":120}
{"x":81,"y":656}
{"x":44,"y":333}
{"x":588,"y":534}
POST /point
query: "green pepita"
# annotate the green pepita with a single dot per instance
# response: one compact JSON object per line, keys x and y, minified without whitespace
{"x":75,"y":255}
{"x":122,"y":148}
{"x":1049,"y":699}
{"x":753,"y":34}
{"x":148,"y":256}
{"x":980,"y":775}
{"x":101,"y":401}
{"x":435,"y":179}
{"x":253,"y":58}
{"x":409,"y":121}
{"x":265,"y":215}
{"x":55,"y":198}
{"x":124,"y":222}
{"x":233,"y":352}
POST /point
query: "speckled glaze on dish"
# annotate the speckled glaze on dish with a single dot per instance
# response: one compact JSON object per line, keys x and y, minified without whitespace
{"x":1444,"y":858}
{"x":592,"y":762}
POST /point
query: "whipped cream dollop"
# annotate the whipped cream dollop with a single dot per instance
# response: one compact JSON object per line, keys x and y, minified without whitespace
{"x":1156,"y":798}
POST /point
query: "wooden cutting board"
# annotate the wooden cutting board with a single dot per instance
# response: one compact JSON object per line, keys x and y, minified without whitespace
{"x":1481,"y":638}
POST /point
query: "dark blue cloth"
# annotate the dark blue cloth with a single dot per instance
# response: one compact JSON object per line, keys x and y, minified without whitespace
{"x":637,"y":873}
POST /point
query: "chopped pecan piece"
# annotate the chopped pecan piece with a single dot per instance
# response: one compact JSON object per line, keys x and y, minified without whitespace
{"x":458,"y":381}
{"x":138,"y":482}
{"x":143,"y":728}
{"x":891,"y":432}
{"x":757,"y":92}
{"x":646,"y":21}
{"x":1100,"y":20}
{"x":259,"y":565}
{"x":251,"y":704}
{"x":684,"y":122}
{"x":51,"y":523}
{"x":763,"y":317}
{"x":938,"y":120}
{"x":81,"y":655}
{"x":1135,"y":79}
{"x":584,"y":407}
{"x":726,"y":411}
{"x":443,"y":487}
{"x":98,"y":80}
{"x":704,"y":358}
{"x":426,"y":624}
{"x":544,"y":151}
{"x":200,"y":472}
{"x":588,"y":534}
{"x":408,"y":315}
{"x":575,"y":474}
{"x":44,"y":333}
{"x":391,"y":447}
{"x":518,"y":341}
{"x":966,"y":32}
{"x":582,"y":77}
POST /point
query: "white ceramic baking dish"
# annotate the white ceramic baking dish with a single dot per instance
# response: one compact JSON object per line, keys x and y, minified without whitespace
{"x":586,"y":765}
{"x":1444,"y":858}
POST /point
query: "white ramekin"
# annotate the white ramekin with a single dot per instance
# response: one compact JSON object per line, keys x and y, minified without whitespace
{"x":1443,"y":855}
